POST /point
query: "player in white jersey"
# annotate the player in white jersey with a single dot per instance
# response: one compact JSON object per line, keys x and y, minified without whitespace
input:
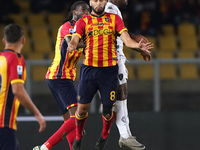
{"x":122,"y":119}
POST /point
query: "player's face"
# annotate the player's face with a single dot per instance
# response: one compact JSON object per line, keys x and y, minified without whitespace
{"x":82,"y":10}
{"x":98,"y":6}
{"x":123,"y":3}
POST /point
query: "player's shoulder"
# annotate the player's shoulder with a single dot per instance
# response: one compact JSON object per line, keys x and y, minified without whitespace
{"x":111,"y":7}
{"x":86,"y":17}
{"x":8,"y":52}
{"x":65,"y":25}
{"x":11,"y":55}
{"x":112,"y":14}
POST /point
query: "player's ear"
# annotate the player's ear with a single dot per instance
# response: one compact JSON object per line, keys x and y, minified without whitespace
{"x":90,"y":2}
{"x":74,"y":12}
{"x":4,"y":41}
{"x":23,"y":40}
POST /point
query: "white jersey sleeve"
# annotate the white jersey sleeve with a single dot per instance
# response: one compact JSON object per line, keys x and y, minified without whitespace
{"x":111,"y":8}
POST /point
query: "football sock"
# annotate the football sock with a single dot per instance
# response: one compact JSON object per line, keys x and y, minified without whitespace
{"x":122,"y":119}
{"x":107,"y":123}
{"x":44,"y":146}
{"x":66,"y":128}
{"x":80,"y":123}
{"x":70,"y":138}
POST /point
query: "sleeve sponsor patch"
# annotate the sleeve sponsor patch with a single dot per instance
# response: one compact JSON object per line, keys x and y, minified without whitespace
{"x":19,"y":70}
{"x":71,"y":31}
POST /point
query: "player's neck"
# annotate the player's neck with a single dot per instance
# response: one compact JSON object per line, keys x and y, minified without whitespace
{"x":93,"y":13}
{"x":14,"y":47}
{"x":75,"y":18}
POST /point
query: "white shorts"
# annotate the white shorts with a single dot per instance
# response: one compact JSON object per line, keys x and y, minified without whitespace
{"x":122,"y":72}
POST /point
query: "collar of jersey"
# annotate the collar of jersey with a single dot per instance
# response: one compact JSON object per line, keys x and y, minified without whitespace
{"x":98,"y":16}
{"x":72,"y":22}
{"x":5,"y":50}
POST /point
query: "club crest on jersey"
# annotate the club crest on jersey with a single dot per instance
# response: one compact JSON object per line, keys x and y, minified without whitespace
{"x":107,"y":19}
{"x":19,"y":70}
{"x":71,"y":31}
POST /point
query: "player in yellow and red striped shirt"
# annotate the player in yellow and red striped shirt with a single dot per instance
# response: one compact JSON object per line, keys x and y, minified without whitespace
{"x":61,"y":75}
{"x":12,"y":92}
{"x":100,"y":70}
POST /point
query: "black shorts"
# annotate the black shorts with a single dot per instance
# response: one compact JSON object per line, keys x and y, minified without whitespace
{"x":104,"y":79}
{"x":8,"y":139}
{"x":64,"y":93}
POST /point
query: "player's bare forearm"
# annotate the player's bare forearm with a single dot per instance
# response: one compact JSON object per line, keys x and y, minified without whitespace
{"x":21,"y":94}
{"x":68,"y":39}
{"x":79,"y":45}
{"x":73,"y":43}
{"x":129,"y":42}
{"x":138,"y":38}
{"x":141,"y":47}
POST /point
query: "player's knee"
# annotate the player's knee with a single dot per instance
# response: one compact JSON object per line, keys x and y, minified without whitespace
{"x":82,"y":112}
{"x":107,"y":111}
{"x":122,"y":92}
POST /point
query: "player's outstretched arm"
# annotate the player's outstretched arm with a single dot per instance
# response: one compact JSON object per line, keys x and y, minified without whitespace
{"x":21,"y":94}
{"x":137,"y":38}
{"x":141,"y":47}
{"x":72,"y":45}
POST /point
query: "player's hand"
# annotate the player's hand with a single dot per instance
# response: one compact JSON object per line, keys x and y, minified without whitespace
{"x":41,"y":122}
{"x":71,"y":47}
{"x":145,"y":50}
{"x":138,"y":38}
{"x":146,"y":55}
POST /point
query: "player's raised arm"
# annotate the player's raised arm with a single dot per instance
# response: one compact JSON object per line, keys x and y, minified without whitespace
{"x":141,"y":47}
{"x":137,"y":38}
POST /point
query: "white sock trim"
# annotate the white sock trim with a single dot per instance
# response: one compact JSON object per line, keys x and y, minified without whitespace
{"x":43,"y":147}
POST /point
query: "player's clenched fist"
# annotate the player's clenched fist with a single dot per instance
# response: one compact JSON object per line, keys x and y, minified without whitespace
{"x":71,"y":47}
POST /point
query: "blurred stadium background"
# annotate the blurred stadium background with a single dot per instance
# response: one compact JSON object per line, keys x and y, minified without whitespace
{"x":164,"y":95}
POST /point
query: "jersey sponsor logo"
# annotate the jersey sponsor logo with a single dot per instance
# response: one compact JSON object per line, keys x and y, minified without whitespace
{"x":99,"y":24}
{"x":71,"y":31}
{"x":19,"y":70}
{"x":100,"y":32}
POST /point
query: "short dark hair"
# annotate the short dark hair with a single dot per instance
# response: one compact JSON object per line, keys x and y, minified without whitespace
{"x":13,"y":33}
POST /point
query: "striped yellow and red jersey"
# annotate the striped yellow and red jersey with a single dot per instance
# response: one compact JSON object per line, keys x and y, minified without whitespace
{"x":12,"y":70}
{"x":63,"y":65}
{"x":99,"y":34}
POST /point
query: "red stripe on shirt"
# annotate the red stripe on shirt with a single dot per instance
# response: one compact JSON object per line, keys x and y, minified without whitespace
{"x":90,"y":52}
{"x":4,"y":105}
{"x":100,"y":48}
{"x":110,"y":50}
